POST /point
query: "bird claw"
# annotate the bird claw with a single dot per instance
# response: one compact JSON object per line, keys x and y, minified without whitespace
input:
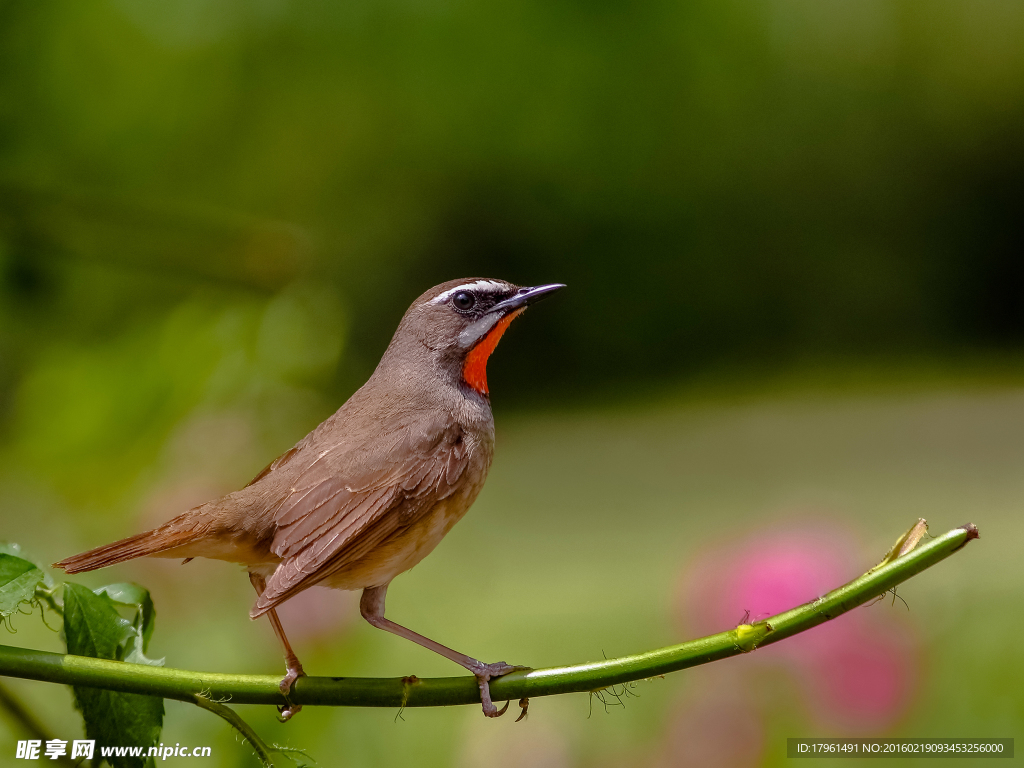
{"x":524,"y":704}
{"x":484,"y":673}
{"x":497,"y":669}
{"x":293,"y":673}
{"x":493,"y":711}
{"x":288,"y":710}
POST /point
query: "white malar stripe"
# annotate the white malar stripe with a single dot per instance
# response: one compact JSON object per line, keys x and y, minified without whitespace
{"x":476,"y":330}
{"x":479,"y":285}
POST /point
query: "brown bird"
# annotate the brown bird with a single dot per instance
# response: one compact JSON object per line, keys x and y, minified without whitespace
{"x":371,"y":491}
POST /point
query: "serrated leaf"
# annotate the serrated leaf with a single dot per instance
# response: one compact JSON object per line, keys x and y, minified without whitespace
{"x":139,"y":598}
{"x":18,"y":581}
{"x":93,"y":627}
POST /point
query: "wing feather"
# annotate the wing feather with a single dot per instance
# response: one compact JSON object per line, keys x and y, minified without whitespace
{"x":336,"y":514}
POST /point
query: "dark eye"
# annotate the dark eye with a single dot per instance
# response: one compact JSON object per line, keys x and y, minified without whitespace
{"x":463,"y":301}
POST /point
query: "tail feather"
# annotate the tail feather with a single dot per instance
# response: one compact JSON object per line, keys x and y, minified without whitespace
{"x":142,"y":544}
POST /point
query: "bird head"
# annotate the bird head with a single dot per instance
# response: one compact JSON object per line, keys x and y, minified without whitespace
{"x":461,"y":321}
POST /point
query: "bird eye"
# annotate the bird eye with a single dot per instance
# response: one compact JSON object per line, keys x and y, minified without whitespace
{"x":463,"y":301}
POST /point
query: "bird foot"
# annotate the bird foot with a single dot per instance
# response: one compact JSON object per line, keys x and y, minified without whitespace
{"x":484,"y":674}
{"x":289,"y":710}
{"x":294,"y":672}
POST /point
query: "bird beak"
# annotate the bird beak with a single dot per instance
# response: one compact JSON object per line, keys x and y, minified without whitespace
{"x":525,"y":296}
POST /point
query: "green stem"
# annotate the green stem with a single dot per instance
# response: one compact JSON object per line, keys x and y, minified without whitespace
{"x":395,"y":692}
{"x":259,"y":746}
{"x":48,"y":596}
{"x":262,"y":749}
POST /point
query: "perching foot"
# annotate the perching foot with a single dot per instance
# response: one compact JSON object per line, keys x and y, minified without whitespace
{"x":484,"y":674}
{"x":289,"y":710}
{"x":294,"y":673}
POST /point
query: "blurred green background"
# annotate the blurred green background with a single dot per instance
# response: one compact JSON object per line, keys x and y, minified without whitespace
{"x":796,"y":304}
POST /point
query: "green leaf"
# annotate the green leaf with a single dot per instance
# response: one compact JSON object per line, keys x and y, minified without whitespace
{"x":11,"y":548}
{"x":145,"y":618}
{"x":18,"y":581}
{"x":93,"y":627}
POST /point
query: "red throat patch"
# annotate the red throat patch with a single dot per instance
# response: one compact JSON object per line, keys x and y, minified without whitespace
{"x":474,"y":371}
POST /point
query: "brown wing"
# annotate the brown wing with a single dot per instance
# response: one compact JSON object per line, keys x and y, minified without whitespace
{"x":335,"y":513}
{"x":277,"y":463}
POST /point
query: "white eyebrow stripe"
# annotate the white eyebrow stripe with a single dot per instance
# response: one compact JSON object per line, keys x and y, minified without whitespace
{"x":479,"y":285}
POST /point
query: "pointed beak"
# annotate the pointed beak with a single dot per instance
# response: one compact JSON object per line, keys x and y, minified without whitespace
{"x":526,"y":296}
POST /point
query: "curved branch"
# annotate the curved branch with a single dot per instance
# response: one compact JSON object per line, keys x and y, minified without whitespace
{"x":413,"y":692}
{"x":260,"y":747}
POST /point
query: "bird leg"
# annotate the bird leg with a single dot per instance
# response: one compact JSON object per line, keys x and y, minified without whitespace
{"x":371,"y":606}
{"x":293,"y":665}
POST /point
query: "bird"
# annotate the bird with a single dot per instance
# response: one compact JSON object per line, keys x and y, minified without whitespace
{"x":373,"y":489}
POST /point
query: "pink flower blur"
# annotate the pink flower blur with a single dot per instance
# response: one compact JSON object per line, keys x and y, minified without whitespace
{"x":855,"y":674}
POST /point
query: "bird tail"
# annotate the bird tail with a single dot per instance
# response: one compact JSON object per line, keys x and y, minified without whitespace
{"x":171,"y":535}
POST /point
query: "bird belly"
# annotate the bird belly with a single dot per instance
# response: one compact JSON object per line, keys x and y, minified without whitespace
{"x":402,"y":550}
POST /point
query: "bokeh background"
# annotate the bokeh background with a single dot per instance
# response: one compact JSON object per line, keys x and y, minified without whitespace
{"x":795,"y":324}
